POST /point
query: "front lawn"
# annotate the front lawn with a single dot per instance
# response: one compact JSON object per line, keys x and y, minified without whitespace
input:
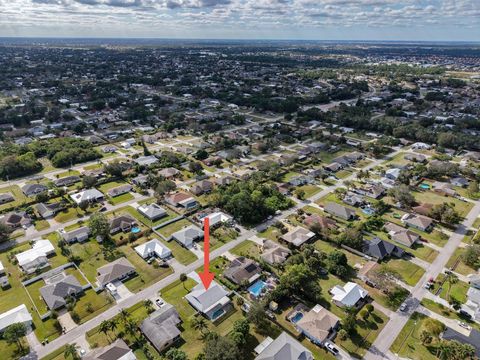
{"x":408,"y":272}
{"x":456,"y":263}
{"x":457,"y":290}
{"x":41,"y":225}
{"x":247,"y":248}
{"x":121,"y":198}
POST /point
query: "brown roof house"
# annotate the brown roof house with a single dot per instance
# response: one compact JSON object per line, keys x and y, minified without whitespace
{"x":401,"y":235}
{"x":16,"y":219}
{"x":201,"y":187}
{"x":419,"y":222}
{"x":274,"y":253}
{"x":318,"y":325}
{"x":117,"y":350}
{"x":242,"y":270}
{"x":181,"y":199}
{"x":298,"y":236}
{"x":122,"y":223}
{"x":169,"y":173}
{"x":119,"y":269}
{"x":423,"y":209}
{"x":322,"y":221}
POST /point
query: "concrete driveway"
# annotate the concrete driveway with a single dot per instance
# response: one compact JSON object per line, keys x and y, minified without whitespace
{"x":122,"y":291}
{"x":66,"y":320}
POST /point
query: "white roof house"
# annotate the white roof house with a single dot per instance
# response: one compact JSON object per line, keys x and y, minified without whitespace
{"x":217,"y":217}
{"x":348,"y":295}
{"x":87,"y":195}
{"x":146,"y":160}
{"x":2,"y":268}
{"x":18,"y":314}
{"x":36,"y":257}
{"x":153,"y":248}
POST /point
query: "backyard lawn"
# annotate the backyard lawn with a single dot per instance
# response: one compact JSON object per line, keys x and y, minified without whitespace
{"x":457,"y":290}
{"x":183,"y":255}
{"x":146,"y":221}
{"x":168,"y":230}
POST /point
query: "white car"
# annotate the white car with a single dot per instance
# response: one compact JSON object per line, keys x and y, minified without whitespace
{"x":403,"y":307}
{"x":464,"y":325}
{"x":159,"y":302}
{"x":331,"y":348}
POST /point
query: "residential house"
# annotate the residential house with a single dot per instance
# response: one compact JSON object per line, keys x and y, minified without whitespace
{"x":459,"y":181}
{"x":6,"y":198}
{"x":274,"y":253}
{"x":212,"y":303}
{"x":36,"y":257}
{"x":188,"y":235}
{"x":242,"y":270}
{"x":169,"y":173}
{"x":16,"y":315}
{"x":201,"y":187}
{"x":340,"y":211}
{"x":419,"y":222}
{"x":109,"y":149}
{"x":182,"y":199}
{"x":443,"y":188}
{"x":374,"y":191}
{"x":423,"y":209}
{"x":89,"y":195}
{"x":118,"y":350}
{"x":217,"y":217}
{"x":55,"y":294}
{"x":353,"y":199}
{"x":146,"y":160}
{"x":474,"y":280}
{"x":34,"y":189}
{"x":393,"y":174}
{"x":318,"y":325}
{"x":153,"y":248}
{"x":122,"y":223}
{"x":80,"y":235}
{"x":119,"y":190}
{"x":419,"y":158}
{"x":333,"y":167}
{"x":16,"y":219}
{"x":349,"y":295}
{"x":140,"y":180}
{"x":298,"y":236}
{"x":67,"y":181}
{"x":117,"y":270}
{"x":152,"y":212}
{"x":48,"y":210}
{"x":161,"y":327}
{"x":401,"y":235}
{"x":380,"y":249}
{"x":284,"y":347}
{"x":318,"y":220}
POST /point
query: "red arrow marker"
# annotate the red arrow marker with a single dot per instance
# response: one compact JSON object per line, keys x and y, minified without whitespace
{"x":206,"y":275}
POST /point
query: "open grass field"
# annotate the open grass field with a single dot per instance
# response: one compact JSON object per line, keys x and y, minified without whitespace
{"x":110,"y":185}
{"x":168,"y":230}
{"x":16,"y":192}
{"x":183,"y":255}
{"x":457,"y":290}
{"x":431,"y":197}
{"x":456,"y":263}
{"x":91,"y":304}
{"x":120,"y":199}
{"x":408,"y":272}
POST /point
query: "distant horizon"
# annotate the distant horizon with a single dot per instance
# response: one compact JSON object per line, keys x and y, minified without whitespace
{"x":404,"y":41}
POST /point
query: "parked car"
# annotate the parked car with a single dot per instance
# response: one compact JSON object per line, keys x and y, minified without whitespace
{"x":464,"y":325}
{"x":403,"y":307}
{"x":159,"y":302}
{"x":331,"y":348}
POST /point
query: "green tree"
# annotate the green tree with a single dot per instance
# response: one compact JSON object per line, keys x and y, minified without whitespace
{"x":183,"y":278}
{"x":450,"y":279}
{"x":220,"y":348}
{"x":99,"y":225}
{"x":175,"y":354}
{"x":89,"y":182}
{"x":5,"y":232}
{"x":199,"y":324}
{"x":71,"y":351}
{"x":14,"y":334}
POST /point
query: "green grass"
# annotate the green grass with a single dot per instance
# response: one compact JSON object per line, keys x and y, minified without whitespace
{"x":310,"y":190}
{"x":16,"y":192}
{"x":121,"y":198}
{"x":457,"y":290}
{"x":476,"y":223}
{"x":446,"y":312}
{"x":92,"y":167}
{"x":56,"y":355}
{"x":328,"y":248}
{"x":367,"y":331}
{"x":68,"y":173}
{"x":271,"y":233}
{"x":433,"y":198}
{"x":289,"y":175}
{"x":34,"y":291}
{"x":69,"y":214}
{"x":460,"y":266}
{"x":408,"y":343}
{"x":11,"y":351}
{"x":91,"y":304}
{"x":247,"y":248}
{"x":408,"y":272}
{"x":41,"y":225}
{"x":183,"y":256}
{"x":168,"y":230}
{"x":110,"y":185}
{"x":92,"y":256}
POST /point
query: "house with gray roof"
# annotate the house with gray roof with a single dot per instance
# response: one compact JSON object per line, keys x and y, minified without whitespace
{"x":119,"y":269}
{"x":34,"y":189}
{"x":284,"y":347}
{"x":77,"y":235}
{"x":118,"y":350}
{"x":274,"y":253}
{"x":340,"y":211}
{"x":298,"y":236}
{"x":67,"y":181}
{"x":56,"y":294}
{"x":16,"y":219}
{"x":146,"y":160}
{"x":48,"y":210}
{"x":188,"y":235}
{"x":380,"y":249}
{"x":6,"y":198}
{"x":242,"y":270}
{"x":161,"y":327}
{"x":122,"y":223}
{"x":152,"y":211}
{"x":212,"y":303}
{"x":89,"y":195}
{"x":119,"y":190}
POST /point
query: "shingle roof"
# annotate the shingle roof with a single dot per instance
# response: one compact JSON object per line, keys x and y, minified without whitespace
{"x":160,"y":327}
{"x":56,"y":293}
{"x":114,"y":271}
{"x":284,"y":347}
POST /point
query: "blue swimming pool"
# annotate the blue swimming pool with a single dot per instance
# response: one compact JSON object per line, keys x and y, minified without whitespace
{"x":135,"y":230}
{"x":424,"y":186}
{"x":296,"y":318}
{"x":368,"y":211}
{"x":217,"y":313}
{"x":257,"y":288}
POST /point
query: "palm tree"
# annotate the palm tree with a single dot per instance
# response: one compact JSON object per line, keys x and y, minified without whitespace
{"x":451,"y":279}
{"x":131,"y":328}
{"x":104,"y":328}
{"x":183,"y":278}
{"x":148,"y":305}
{"x":199,"y":323}
{"x":124,"y":315}
{"x":71,"y":350}
{"x":112,"y":325}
